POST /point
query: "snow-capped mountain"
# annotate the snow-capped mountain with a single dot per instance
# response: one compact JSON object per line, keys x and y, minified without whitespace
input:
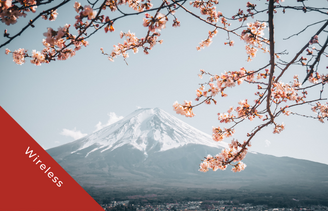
{"x":150,"y":148}
{"x":147,"y":130}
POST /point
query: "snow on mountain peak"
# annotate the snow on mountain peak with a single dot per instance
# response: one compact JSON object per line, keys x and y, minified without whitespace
{"x":148,"y":130}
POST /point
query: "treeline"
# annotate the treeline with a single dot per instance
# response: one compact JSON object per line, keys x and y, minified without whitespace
{"x":236,"y":197}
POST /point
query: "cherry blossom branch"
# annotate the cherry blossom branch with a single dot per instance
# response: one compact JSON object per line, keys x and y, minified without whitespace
{"x":130,"y":14}
{"x":32,"y":21}
{"x":301,"y":51}
{"x":193,"y":14}
{"x":38,"y":3}
{"x":81,"y":32}
{"x":317,"y":59}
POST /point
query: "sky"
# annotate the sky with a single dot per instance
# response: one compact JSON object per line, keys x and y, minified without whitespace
{"x":62,"y":101}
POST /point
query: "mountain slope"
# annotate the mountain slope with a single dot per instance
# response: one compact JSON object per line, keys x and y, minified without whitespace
{"x":150,"y":148}
{"x":148,"y":130}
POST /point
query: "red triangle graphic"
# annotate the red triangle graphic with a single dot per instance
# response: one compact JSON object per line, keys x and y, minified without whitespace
{"x":31,"y":179}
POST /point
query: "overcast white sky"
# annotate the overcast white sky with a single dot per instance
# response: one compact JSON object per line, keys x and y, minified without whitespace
{"x":61,"y":101}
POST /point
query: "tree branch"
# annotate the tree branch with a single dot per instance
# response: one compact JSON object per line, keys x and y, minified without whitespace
{"x":272,"y":55}
{"x":317,"y":59}
{"x":301,"y":51}
{"x":31,"y":22}
{"x":304,"y":29}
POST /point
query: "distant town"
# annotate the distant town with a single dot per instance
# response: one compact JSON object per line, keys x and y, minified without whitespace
{"x":225,"y":205}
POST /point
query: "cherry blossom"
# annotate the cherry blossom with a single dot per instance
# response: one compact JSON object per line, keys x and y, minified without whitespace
{"x":89,"y":12}
{"x":37,"y":58}
{"x":19,"y":56}
{"x":153,"y":23}
{"x":185,"y":109}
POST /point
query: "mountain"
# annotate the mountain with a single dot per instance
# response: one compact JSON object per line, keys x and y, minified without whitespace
{"x":148,"y":130}
{"x":151,"y":149}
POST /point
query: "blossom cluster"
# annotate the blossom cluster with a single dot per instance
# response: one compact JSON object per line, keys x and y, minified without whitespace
{"x":52,"y":15}
{"x":219,"y":134}
{"x":208,"y":41}
{"x":84,"y":12}
{"x":137,"y":5}
{"x":241,"y":16}
{"x":235,"y":153}
{"x":283,"y":92}
{"x":133,"y":43}
{"x":245,"y":111}
{"x":278,"y":128}
{"x":37,"y":58}
{"x":239,"y":167}
{"x":314,"y":40}
{"x":158,"y":22}
{"x":227,"y":79}
{"x":10,"y":13}
{"x":56,"y":44}
{"x":314,"y":77}
{"x":185,"y":109}
{"x":253,"y":36}
{"x":208,"y":8}
{"x":18,"y":55}
{"x":154,"y":24}
{"x":321,"y":110}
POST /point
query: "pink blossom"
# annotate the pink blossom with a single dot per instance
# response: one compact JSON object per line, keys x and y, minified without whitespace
{"x":88,"y":11}
{"x":185,"y":109}
{"x":19,"y":56}
{"x":9,"y":16}
{"x":77,"y":6}
{"x":7,"y":51}
{"x":53,"y":15}
{"x":239,"y":167}
{"x":49,"y":36}
{"x":278,"y":128}
{"x":6,"y":4}
{"x":37,"y":58}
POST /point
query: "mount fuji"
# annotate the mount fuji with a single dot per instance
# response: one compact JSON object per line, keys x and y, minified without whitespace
{"x":152,"y":149}
{"x":149,"y":131}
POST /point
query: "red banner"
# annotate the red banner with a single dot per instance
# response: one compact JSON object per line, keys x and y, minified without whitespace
{"x":31,"y":179}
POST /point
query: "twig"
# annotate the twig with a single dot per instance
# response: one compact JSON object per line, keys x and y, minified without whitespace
{"x":317,"y":59}
{"x":304,"y":29}
{"x":301,"y":51}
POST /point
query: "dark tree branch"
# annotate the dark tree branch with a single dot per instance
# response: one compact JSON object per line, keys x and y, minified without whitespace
{"x":308,"y":9}
{"x":272,"y":55}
